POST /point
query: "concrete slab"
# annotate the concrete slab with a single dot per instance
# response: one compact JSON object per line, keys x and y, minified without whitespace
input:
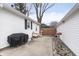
{"x":41,"y":46}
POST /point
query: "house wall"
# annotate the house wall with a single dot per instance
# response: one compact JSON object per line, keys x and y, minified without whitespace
{"x":36,"y":28}
{"x":70,"y":32}
{"x":9,"y":24}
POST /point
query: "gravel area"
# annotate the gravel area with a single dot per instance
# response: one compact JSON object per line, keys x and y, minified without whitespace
{"x":60,"y":49}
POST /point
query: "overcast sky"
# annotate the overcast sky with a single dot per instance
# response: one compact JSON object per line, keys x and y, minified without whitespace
{"x":55,"y":13}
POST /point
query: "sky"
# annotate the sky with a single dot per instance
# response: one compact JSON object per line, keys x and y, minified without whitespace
{"x":55,"y":13}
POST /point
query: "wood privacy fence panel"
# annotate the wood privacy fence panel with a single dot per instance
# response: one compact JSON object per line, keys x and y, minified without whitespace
{"x":48,"y":31}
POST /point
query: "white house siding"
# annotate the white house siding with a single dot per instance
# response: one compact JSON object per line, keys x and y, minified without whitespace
{"x":38,"y":29}
{"x":70,"y":32}
{"x":9,"y":24}
{"x":29,"y":30}
{"x":34,"y":28}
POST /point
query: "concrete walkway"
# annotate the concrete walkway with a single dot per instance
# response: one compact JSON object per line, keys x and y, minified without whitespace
{"x":38,"y":47}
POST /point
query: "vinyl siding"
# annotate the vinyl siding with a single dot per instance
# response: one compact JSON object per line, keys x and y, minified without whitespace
{"x":11,"y":23}
{"x":70,"y":32}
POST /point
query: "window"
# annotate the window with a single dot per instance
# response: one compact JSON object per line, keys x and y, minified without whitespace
{"x":28,"y":24}
{"x":31,"y":25}
{"x":25,"y":23}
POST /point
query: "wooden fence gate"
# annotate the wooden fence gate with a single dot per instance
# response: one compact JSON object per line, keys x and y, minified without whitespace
{"x":48,"y":31}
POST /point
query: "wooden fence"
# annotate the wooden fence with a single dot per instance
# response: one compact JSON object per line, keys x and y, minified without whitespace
{"x":48,"y":31}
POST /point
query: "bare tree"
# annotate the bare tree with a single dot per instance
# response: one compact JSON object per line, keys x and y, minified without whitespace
{"x":28,"y":8}
{"x":40,"y":9}
{"x":21,"y":7}
{"x":25,"y":8}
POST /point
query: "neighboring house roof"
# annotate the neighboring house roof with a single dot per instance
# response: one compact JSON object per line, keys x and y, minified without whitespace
{"x":74,"y":8}
{"x":10,"y":9}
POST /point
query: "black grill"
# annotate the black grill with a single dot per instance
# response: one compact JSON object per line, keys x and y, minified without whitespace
{"x":17,"y":39}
